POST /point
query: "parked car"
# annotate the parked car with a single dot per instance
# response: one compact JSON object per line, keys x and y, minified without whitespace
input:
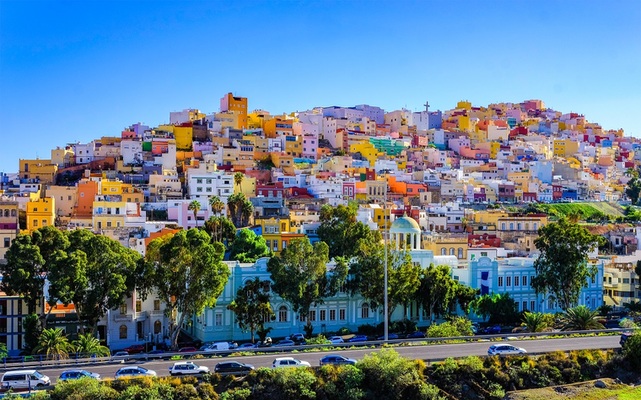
{"x":390,"y":336}
{"x":188,"y":349}
{"x":135,"y":349}
{"x":504,"y":350}
{"x":24,"y":379}
{"x":297,"y":337}
{"x":72,"y":374}
{"x":120,"y":355}
{"x":187,"y":368}
{"x":289,"y":362}
{"x":246,"y":346}
{"x":358,"y":338}
{"x":133,"y":372}
{"x":218,"y":346}
{"x":336,"y":340}
{"x":233,"y":367}
{"x":336,"y":359}
{"x":416,"y":335}
{"x":285,"y":343}
{"x":493,"y":330}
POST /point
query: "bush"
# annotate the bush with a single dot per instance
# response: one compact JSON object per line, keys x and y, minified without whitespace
{"x":343,"y":331}
{"x":236,"y":394}
{"x":340,"y":382}
{"x":632,"y":350}
{"x":82,"y":389}
{"x":458,"y":326}
{"x":283,"y":384}
{"x":367,"y":329}
{"x":206,"y":391}
{"x":186,"y":392}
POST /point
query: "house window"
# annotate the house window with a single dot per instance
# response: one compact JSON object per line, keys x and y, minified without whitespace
{"x":516,"y":281}
{"x":157,"y":327}
{"x":123,"y":309}
{"x":460,"y":253}
{"x":365,"y":310}
{"x":342,"y":314}
{"x":312,"y":315}
{"x":508,"y":281}
{"x":123,"y":332}
{"x":35,"y":222}
{"x":323,"y":315}
{"x":532,"y":304}
{"x":452,"y":251}
{"x":219,"y":319}
{"x":443,"y":251}
{"x":7,"y":242}
{"x":524,"y":306}
{"x":332,"y":315}
{"x":500,"y":281}
{"x":524,"y":280}
{"x":282,"y":314}
{"x":156,"y":305}
{"x":138,"y":305}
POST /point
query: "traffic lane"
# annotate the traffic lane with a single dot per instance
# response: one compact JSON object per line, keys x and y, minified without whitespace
{"x":424,"y":352}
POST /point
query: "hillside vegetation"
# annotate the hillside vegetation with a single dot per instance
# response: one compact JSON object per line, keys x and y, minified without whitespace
{"x":587,"y":210}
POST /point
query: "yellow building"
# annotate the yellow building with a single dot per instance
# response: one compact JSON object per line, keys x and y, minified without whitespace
{"x":367,"y":150}
{"x":447,"y":245}
{"x":381,"y":216}
{"x":66,"y":199}
{"x":276,"y":232}
{"x":256,"y":119}
{"x":62,"y":157}
{"x":108,"y":214}
{"x":237,"y":106}
{"x":281,"y":125}
{"x":184,"y":136}
{"x":464,"y":123}
{"x":565,"y":148}
{"x":293,"y":146}
{"x":619,"y":282}
{"x":464,"y":104}
{"x":41,"y":212}
{"x":43,"y":170}
{"x":283,"y":161}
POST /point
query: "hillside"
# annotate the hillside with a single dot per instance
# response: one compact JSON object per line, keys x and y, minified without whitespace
{"x":586,"y":209}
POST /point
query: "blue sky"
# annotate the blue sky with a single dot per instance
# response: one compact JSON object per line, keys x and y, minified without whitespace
{"x":75,"y":71}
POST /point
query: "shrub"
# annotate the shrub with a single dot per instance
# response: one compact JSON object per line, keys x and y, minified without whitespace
{"x":283,"y":384}
{"x":340,"y":382}
{"x":206,"y":391}
{"x":82,"y":389}
{"x":343,"y":331}
{"x":320,"y":339}
{"x":367,"y":329}
{"x":632,"y":350}
{"x":186,"y":392}
{"x":236,"y":394}
{"x":458,"y":326}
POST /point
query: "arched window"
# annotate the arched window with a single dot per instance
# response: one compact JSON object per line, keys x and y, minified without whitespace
{"x":460,"y":253}
{"x":443,"y":251}
{"x":13,"y":213}
{"x":123,"y":331}
{"x":282,"y":314}
{"x":157,"y":327}
{"x":452,"y":251}
{"x":365,"y":310}
{"x":6,"y":212}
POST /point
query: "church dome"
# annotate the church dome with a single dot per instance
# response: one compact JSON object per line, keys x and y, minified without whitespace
{"x":405,"y":224}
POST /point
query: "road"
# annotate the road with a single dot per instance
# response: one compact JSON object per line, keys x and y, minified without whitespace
{"x":425,"y":352}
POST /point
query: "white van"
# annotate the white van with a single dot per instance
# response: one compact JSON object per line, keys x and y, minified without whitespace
{"x":219,"y":346}
{"x":24,"y":379}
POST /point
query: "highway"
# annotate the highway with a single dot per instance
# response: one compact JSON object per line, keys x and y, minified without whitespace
{"x":428,"y":353}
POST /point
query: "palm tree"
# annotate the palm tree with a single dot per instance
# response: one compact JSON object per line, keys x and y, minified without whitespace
{"x":53,"y":343}
{"x":633,"y":306}
{"x":238,"y":179}
{"x":580,"y":318}
{"x":217,"y":205}
{"x":195,"y":207}
{"x":89,"y":345}
{"x":534,"y":322}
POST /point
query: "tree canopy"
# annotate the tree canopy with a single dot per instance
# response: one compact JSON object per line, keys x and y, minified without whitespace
{"x":341,"y":231}
{"x":300,"y":275}
{"x":438,"y":291}
{"x":252,"y":306}
{"x":221,"y":229}
{"x":240,"y":209}
{"x":190,"y":274}
{"x":498,"y":308}
{"x":562,"y":267}
{"x":248,"y":247}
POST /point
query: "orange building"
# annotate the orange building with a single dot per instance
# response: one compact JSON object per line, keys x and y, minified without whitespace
{"x":237,"y":106}
{"x":87,"y":192}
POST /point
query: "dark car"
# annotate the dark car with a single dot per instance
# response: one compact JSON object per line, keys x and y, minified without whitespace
{"x":335,"y":359}
{"x":135,"y":349}
{"x":390,"y":336}
{"x":285,"y":343}
{"x":493,"y":330}
{"x":246,"y":346}
{"x":416,"y":335}
{"x":233,"y":367}
{"x":358,"y":338}
{"x":188,"y":349}
{"x":73,"y":374}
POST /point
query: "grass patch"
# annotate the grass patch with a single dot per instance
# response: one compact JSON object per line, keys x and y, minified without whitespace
{"x":584,"y":391}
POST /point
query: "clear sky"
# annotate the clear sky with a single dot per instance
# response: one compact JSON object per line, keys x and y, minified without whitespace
{"x":75,"y":71}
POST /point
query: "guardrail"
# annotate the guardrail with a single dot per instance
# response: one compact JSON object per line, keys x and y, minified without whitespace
{"x":78,"y":361}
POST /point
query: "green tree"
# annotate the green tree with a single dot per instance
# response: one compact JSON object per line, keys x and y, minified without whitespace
{"x":248,"y":247}
{"x":87,"y":345}
{"x":534,"y":321}
{"x":580,"y":318}
{"x":366,"y":275}
{"x":238,"y":179}
{"x":252,"y":306}
{"x":562,"y":267}
{"x":111,"y":275}
{"x":24,"y":273}
{"x":632,"y":350}
{"x":300,"y":276}
{"x":240,"y":209}
{"x":437,"y":291}
{"x":633,"y":306}
{"x":190,"y":274}
{"x":341,"y":231}
{"x":32,"y":325}
{"x":498,"y":308}
{"x":633,"y":190}
{"x":216,"y":204}
{"x":53,"y":344}
{"x":465,"y":295}
{"x":194,"y":206}
{"x":220,"y":228}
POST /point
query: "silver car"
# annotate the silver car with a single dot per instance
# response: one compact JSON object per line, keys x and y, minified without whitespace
{"x":505,"y":350}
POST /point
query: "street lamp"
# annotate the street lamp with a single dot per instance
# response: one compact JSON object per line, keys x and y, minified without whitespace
{"x":385,"y":243}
